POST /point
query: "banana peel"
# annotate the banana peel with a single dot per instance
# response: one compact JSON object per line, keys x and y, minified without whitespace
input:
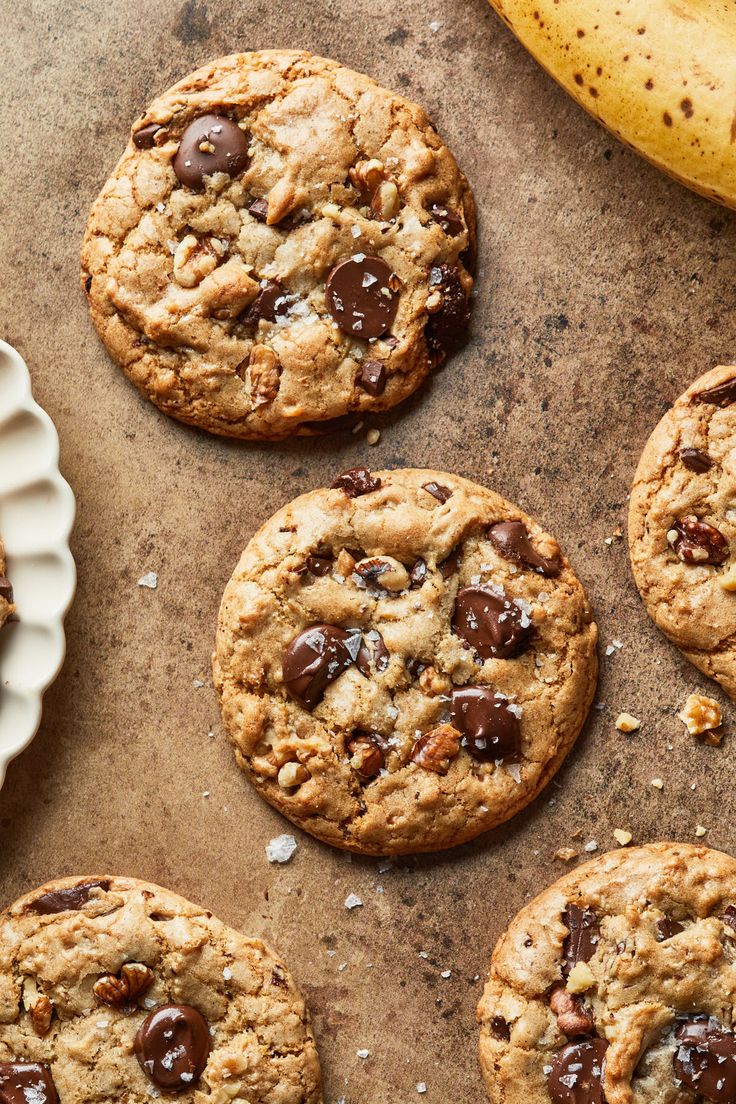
{"x":659,"y":74}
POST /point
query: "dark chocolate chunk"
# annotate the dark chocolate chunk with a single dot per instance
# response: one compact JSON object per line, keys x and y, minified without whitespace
{"x":272,"y":303}
{"x":66,"y":900}
{"x":418,"y":573}
{"x":577,"y":1073}
{"x":667,"y":927}
{"x":580,"y":943}
{"x":172,"y":1046}
{"x":696,"y":542}
{"x":414,"y":667}
{"x":729,"y":917}
{"x":511,"y":540}
{"x":723,"y":394}
{"x":356,"y":482}
{"x":705,"y":1060}
{"x":696,"y":460}
{"x":372,"y":377}
{"x":210,"y":144}
{"x":6,"y":589}
{"x":451,"y":565}
{"x":446,"y":328}
{"x":448,"y":219}
{"x":315,"y":658}
{"x":145,"y":138}
{"x":500,"y":1029}
{"x":26,"y":1083}
{"x":490,"y":623}
{"x":490,"y":730}
{"x":437,"y":491}
{"x":259,"y":209}
{"x":319,"y":563}
{"x":360,"y":297}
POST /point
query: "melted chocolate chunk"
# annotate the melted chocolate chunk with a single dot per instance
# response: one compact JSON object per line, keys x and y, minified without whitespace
{"x":172,"y":1046}
{"x":697,"y":542}
{"x":500,"y":1029}
{"x":319,"y":564}
{"x":577,"y":1073}
{"x":315,"y":658}
{"x":583,"y":936}
{"x":437,"y":491}
{"x":6,"y":589}
{"x":729,"y":917}
{"x":210,"y":144}
{"x":451,"y":565}
{"x":372,"y":377}
{"x":145,"y":138}
{"x":360,"y":297}
{"x":272,"y":303}
{"x":26,"y":1083}
{"x":667,"y":927}
{"x":490,"y":623}
{"x":696,"y":460}
{"x":418,"y":573}
{"x":414,"y":667}
{"x":721,"y":395}
{"x":448,"y":219}
{"x":375,"y":650}
{"x":66,"y":900}
{"x":511,"y":540}
{"x":490,"y":730}
{"x":356,"y":482}
{"x":705,"y":1060}
{"x":259,"y":209}
{"x":446,"y":328}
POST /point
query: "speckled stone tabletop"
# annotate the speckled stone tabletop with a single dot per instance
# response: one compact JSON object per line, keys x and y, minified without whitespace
{"x":604,"y":289}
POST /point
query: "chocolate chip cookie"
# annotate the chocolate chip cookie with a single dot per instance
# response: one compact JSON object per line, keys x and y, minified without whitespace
{"x":283,"y":243}
{"x":403,"y":660}
{"x":7,"y":608}
{"x":682,"y":525}
{"x":617,"y":985}
{"x":113,"y":989}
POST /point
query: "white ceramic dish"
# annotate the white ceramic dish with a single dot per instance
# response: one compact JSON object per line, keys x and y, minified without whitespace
{"x":36,"y":516}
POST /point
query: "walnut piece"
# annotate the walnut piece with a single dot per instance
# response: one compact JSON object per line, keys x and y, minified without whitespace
{"x":573,"y":1018}
{"x":384,"y":572}
{"x":367,"y":176}
{"x":124,"y":988}
{"x":41,"y":1012}
{"x":366,"y":757}
{"x":436,"y":749}
{"x":433,"y":683}
{"x":291,"y":775}
{"x":195,"y":258}
{"x":700,"y":714}
{"x":263,"y":375}
{"x":385,"y":201}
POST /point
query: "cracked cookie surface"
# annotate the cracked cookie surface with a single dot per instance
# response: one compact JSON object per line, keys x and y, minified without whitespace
{"x":284,"y":242}
{"x":617,"y":985}
{"x":403,"y":660}
{"x":682,"y":525}
{"x":114,"y":989}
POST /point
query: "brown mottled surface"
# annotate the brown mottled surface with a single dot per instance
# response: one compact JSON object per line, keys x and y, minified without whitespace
{"x":605,"y":289}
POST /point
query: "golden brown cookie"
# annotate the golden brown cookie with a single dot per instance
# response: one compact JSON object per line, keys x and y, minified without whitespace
{"x":682,"y":525}
{"x":403,"y":660}
{"x":282,"y":244}
{"x":112,"y":989}
{"x":617,"y":985}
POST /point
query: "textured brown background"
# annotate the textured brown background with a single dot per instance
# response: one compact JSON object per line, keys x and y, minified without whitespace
{"x":605,"y":288}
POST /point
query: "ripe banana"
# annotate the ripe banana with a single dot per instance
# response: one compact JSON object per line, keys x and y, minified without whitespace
{"x":660,"y":74}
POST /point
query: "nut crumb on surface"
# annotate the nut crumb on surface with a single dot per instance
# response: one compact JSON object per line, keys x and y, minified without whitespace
{"x":700,"y":714}
{"x":580,"y":978}
{"x":700,"y":830}
{"x":625,"y":722}
{"x":658,"y":783}
{"x":565,"y":854}
{"x":622,"y":837}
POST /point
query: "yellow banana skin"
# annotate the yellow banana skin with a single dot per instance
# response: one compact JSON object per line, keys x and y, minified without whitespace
{"x":660,"y":74}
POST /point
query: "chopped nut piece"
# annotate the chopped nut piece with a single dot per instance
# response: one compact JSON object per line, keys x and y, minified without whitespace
{"x":580,"y":978}
{"x":383,"y":571}
{"x":385,"y":201}
{"x":367,"y":176}
{"x":700,"y":830}
{"x":373,"y":436}
{"x":436,"y":749}
{"x":573,"y":1018}
{"x":658,"y":783}
{"x":133,"y":980}
{"x":41,"y":1013}
{"x":727,"y":581}
{"x":283,"y":198}
{"x":366,"y":757}
{"x":626,"y":723}
{"x":565,"y":854}
{"x":433,"y":683}
{"x":700,"y":714}
{"x":291,"y":775}
{"x":622,"y":836}
{"x":345,"y":563}
{"x":263,"y":375}
{"x":195,"y":258}
{"x":330,"y":210}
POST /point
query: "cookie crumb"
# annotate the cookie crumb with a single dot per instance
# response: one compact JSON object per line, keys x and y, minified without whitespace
{"x":658,"y":783}
{"x":149,"y":581}
{"x":622,"y":837}
{"x":700,"y":714}
{"x":625,"y":722}
{"x":565,"y":854}
{"x":281,"y":849}
{"x":700,"y":831}
{"x":353,"y":901}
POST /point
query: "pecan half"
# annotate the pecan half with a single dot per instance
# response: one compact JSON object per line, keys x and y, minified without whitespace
{"x":195,"y":258}
{"x":133,"y":980}
{"x":41,"y":1012}
{"x":263,"y":375}
{"x":573,"y":1018}
{"x":436,"y":749}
